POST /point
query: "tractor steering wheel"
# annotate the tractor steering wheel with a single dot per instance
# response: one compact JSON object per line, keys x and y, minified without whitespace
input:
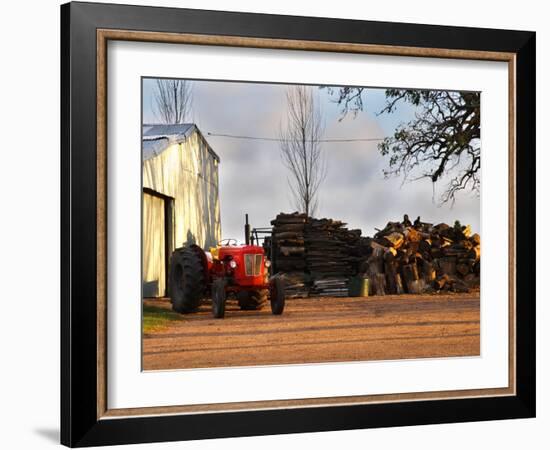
{"x":227,"y":242}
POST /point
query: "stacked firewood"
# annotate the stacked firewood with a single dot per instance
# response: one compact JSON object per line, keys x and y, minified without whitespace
{"x":420,"y":257}
{"x":318,"y":257}
{"x":330,"y":259}
{"x":289,"y":252}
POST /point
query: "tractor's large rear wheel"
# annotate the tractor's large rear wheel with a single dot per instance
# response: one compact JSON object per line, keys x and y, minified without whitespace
{"x":186,"y":280}
{"x":251,"y":300}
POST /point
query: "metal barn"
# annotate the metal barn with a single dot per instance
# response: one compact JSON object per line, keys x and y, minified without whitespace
{"x":180,"y":198}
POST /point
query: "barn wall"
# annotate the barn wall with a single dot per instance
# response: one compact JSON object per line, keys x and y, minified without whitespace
{"x":188,"y":173}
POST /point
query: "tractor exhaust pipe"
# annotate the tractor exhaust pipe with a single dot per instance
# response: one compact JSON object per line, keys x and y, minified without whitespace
{"x":246,"y":230}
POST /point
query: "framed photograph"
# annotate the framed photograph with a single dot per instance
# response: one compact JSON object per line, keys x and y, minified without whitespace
{"x":276,"y":224}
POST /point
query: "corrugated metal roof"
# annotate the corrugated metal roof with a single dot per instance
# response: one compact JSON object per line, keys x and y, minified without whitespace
{"x":153,"y":147}
{"x":157,"y":138}
{"x":167,"y":130}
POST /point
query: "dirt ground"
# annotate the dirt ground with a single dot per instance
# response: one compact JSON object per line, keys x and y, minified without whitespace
{"x":318,"y":330}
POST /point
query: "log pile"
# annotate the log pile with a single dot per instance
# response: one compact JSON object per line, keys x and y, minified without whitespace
{"x":289,"y":252}
{"x":330,"y":259}
{"x":318,"y":257}
{"x":421,"y":258}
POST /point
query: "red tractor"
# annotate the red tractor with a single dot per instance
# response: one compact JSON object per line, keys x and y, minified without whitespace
{"x":227,"y":270}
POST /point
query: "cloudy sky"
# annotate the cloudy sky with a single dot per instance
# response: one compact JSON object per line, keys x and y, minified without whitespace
{"x":253,"y":178}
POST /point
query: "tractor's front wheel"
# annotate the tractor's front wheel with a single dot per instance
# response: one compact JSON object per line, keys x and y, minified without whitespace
{"x":251,"y":300}
{"x":277,"y":294}
{"x":218,"y":298}
{"x":186,"y":281}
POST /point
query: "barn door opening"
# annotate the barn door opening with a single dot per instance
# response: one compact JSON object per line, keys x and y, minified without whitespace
{"x":157,"y":242}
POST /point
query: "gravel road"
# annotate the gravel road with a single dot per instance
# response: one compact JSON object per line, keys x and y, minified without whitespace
{"x":319,"y":330}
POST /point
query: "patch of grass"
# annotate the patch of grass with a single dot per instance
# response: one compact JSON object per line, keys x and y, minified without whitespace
{"x":156,"y":318}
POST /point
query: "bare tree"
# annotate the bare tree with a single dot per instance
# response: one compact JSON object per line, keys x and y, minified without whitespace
{"x":441,"y":143}
{"x":301,"y":150}
{"x":173,"y":100}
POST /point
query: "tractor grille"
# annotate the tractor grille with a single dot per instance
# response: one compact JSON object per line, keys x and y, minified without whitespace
{"x":253,"y":265}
